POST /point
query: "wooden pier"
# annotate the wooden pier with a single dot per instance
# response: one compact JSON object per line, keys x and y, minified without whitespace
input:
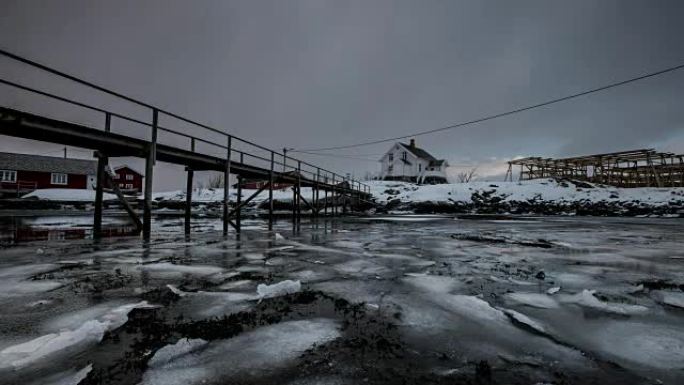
{"x":239,"y":157}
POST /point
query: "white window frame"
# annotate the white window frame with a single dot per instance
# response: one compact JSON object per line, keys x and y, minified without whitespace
{"x":116,"y":176}
{"x":9,"y":176}
{"x":129,"y":176}
{"x":390,"y":158}
{"x":129,"y":186}
{"x":59,"y":178}
{"x":404,"y":155}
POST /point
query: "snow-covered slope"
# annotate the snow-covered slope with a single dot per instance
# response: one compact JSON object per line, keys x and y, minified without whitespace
{"x":67,"y":195}
{"x":528,"y":196}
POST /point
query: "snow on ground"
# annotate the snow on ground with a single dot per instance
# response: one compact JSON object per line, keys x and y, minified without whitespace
{"x":252,"y":354}
{"x":542,"y":189}
{"x":67,"y":195}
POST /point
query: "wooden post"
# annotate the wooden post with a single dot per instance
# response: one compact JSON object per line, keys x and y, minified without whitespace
{"x":226,"y":187}
{"x":317,"y":200}
{"x":188,"y":191}
{"x":334,"y":197}
{"x":299,"y":191}
{"x":149,"y":171}
{"x":238,"y":207}
{"x":99,"y":192}
{"x":270,"y":193}
{"x":325,"y":198}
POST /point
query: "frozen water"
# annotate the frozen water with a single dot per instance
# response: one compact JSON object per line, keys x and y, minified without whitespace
{"x":440,"y":303}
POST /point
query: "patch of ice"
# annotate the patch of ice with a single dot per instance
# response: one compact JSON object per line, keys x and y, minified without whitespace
{"x":277,"y":289}
{"x":523,"y":319}
{"x":553,"y":290}
{"x":252,"y":354}
{"x":69,"y":377}
{"x":670,"y":298}
{"x":433,"y":283}
{"x":586,"y":298}
{"x":541,"y":301}
{"x":166,"y":267}
{"x":175,"y":351}
{"x":91,"y":331}
{"x":20,"y":355}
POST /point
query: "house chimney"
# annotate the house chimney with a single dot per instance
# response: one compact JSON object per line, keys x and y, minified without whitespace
{"x":413,"y":143}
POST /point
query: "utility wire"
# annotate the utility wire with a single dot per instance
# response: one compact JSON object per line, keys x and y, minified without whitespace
{"x":337,"y":156}
{"x":499,"y":115}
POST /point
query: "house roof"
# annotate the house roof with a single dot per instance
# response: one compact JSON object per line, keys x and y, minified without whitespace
{"x":437,"y":162}
{"x":419,"y":152}
{"x":26,"y":162}
{"x":128,"y":167}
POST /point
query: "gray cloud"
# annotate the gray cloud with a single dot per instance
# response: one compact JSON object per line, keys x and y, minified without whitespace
{"x":310,"y":74}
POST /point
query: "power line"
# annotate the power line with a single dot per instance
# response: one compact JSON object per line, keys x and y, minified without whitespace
{"x":337,"y":156}
{"x":499,"y":115}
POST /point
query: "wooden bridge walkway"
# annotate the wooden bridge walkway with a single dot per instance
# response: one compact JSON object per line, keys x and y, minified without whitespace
{"x":206,"y":148}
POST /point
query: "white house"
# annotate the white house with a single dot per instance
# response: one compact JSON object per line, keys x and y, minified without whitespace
{"x":406,"y":162}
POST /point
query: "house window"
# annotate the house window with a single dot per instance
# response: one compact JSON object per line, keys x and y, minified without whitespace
{"x":404,"y":155}
{"x":391,"y":157}
{"x":129,"y":186}
{"x":58,"y":178}
{"x":390,"y":168}
{"x":420,"y":167}
{"x":129,"y":177}
{"x":116,"y":176}
{"x":121,"y":185}
{"x":8,"y":176}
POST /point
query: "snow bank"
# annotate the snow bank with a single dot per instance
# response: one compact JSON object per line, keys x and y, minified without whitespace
{"x":67,"y":195}
{"x":525,"y":196}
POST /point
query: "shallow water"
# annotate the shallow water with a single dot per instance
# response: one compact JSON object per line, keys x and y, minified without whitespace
{"x":414,"y":299}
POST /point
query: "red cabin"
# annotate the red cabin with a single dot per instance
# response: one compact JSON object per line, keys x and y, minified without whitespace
{"x":22,"y":173}
{"x":129,"y":180}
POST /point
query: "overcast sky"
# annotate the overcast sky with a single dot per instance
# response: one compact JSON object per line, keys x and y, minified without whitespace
{"x":310,"y":74}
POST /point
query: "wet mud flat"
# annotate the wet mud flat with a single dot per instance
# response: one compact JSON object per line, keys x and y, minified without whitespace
{"x":381,"y":300}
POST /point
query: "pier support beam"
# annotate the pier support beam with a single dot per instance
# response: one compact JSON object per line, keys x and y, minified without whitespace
{"x":238,"y":207}
{"x":102,"y":162}
{"x":188,"y":199}
{"x":188,"y":191}
{"x":226,"y":188}
{"x":270,"y":193}
{"x":149,"y":171}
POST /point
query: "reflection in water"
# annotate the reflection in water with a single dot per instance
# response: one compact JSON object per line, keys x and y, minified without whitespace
{"x":14,"y":230}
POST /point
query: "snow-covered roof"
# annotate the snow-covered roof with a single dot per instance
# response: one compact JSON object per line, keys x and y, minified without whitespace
{"x":41,"y":163}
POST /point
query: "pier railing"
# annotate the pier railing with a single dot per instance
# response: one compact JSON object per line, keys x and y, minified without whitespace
{"x":207,"y":139}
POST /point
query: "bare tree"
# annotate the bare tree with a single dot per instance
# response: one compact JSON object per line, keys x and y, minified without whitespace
{"x":467,"y":176}
{"x":216,"y":181}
